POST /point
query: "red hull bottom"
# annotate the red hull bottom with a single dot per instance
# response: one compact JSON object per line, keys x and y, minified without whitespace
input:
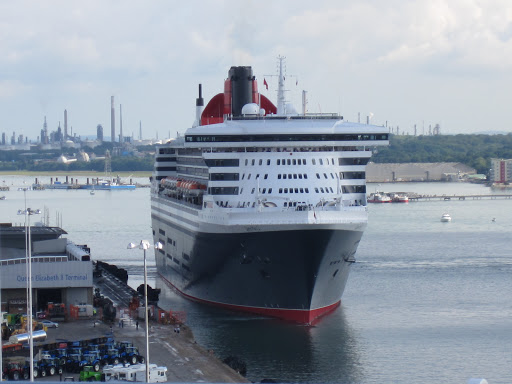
{"x":309,"y":317}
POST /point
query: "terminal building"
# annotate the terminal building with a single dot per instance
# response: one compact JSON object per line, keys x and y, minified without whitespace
{"x":62,"y":272}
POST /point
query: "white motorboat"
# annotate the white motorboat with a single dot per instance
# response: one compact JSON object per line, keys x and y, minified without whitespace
{"x":446,"y":218}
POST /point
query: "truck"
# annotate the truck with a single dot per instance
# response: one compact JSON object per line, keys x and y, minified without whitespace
{"x":89,"y":374}
{"x":132,"y":356}
{"x":61,"y":354}
{"x":38,"y":372}
{"x":49,"y":365}
{"x":75,"y":363}
{"x":93,"y":359}
{"x":111,"y":356}
{"x":15,"y":371}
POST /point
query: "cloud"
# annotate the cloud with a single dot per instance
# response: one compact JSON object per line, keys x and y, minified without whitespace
{"x":457,"y":35}
{"x":11,"y":88}
{"x":151,"y":55}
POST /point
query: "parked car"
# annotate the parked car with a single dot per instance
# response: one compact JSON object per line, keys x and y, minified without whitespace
{"x":49,"y":324}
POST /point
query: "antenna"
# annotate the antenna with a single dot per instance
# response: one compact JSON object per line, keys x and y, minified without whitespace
{"x":281,"y":108}
{"x":281,"y":101}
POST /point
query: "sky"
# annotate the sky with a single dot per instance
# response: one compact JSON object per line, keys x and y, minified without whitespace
{"x":401,"y":62}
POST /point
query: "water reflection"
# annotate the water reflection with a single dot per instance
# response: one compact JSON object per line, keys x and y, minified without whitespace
{"x":285,"y":352}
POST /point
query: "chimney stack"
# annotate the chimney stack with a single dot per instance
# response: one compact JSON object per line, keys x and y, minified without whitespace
{"x":112,"y":120}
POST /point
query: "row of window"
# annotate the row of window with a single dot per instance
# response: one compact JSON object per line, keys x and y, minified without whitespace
{"x":224,"y":176}
{"x":236,"y":162}
{"x":263,"y":191}
{"x":353,"y":188}
{"x":291,"y":162}
{"x":236,"y":176}
{"x":222,"y":162}
{"x":294,"y":190}
{"x":293,"y":176}
{"x":253,"y":162}
{"x":166,"y":151}
{"x":193,"y":171}
{"x":265,"y":176}
{"x":165,"y":169}
{"x":197,"y":161}
{"x":242,"y":149}
{"x":190,"y":152}
{"x":198,"y":152}
{"x":223,"y":190}
{"x":165,"y":159}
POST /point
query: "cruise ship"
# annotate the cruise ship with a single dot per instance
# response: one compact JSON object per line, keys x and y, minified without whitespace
{"x":260,"y":208}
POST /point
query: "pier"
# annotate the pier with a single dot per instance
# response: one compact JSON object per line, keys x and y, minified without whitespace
{"x":418,"y":197}
{"x":91,"y":183}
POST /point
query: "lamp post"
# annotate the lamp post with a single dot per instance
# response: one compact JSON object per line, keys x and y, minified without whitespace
{"x":1,"y":342}
{"x":28,"y":253}
{"x":144,"y":244}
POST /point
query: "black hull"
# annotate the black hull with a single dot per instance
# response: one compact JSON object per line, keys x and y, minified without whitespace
{"x":294,"y":274}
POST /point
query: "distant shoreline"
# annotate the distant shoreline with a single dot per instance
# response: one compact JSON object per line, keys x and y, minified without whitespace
{"x":123,"y":174}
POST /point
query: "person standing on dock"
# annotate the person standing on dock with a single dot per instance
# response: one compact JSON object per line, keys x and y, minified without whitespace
{"x":137,"y":325}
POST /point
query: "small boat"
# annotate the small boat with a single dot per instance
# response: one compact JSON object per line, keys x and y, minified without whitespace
{"x":399,"y":198}
{"x":379,"y":198}
{"x":92,"y":192}
{"x":2,"y":197}
{"x":446,"y":218}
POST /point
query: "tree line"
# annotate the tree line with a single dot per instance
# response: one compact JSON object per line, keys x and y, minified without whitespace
{"x":475,"y":151}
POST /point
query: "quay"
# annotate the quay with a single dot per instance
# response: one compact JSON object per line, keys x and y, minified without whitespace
{"x":186,"y":361}
{"x":64,"y":277}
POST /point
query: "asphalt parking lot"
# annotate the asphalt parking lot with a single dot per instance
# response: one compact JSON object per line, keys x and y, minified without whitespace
{"x":185,"y":360}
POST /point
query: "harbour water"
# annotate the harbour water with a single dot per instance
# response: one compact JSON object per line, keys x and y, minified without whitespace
{"x":426,"y":301}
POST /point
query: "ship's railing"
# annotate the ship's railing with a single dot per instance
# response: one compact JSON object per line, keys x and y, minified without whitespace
{"x":308,"y":208}
{"x":307,"y":116}
{"x":253,"y":148}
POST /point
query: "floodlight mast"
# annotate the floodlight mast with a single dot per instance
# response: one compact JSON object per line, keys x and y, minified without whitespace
{"x":144,"y":244}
